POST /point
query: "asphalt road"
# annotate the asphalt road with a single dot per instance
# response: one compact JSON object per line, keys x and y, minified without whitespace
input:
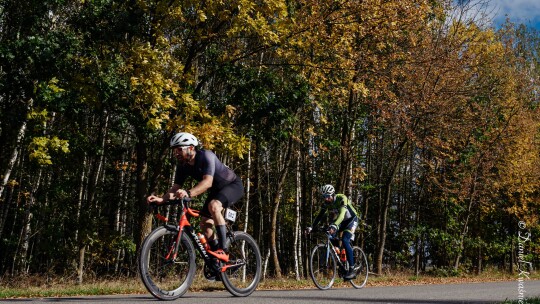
{"x":438,"y":294}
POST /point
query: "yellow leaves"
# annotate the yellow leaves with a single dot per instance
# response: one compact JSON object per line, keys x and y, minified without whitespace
{"x":358,"y":174}
{"x":201,"y":15}
{"x":221,"y":138}
{"x":53,"y":87}
{"x":38,"y":115}
{"x":154,"y":81}
{"x":12,"y":183}
{"x":230,"y":110}
{"x":360,"y":88}
{"x":40,"y":147}
{"x":265,"y":19}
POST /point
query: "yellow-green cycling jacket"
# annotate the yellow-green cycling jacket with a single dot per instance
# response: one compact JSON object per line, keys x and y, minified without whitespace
{"x":342,"y":209}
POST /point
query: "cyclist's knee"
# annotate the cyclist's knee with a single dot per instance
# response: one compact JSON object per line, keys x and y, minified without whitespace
{"x":215,"y":206}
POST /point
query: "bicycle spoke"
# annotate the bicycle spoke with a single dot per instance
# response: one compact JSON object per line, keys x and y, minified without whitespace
{"x":361,"y":268}
{"x":166,"y":279}
{"x":243,"y":271}
{"x":322,"y":267}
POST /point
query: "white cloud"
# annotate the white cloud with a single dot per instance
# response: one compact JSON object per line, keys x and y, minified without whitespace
{"x":519,"y":11}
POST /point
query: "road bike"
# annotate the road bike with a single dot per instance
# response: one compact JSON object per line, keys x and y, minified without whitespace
{"x":167,"y":260}
{"x":327,"y":261}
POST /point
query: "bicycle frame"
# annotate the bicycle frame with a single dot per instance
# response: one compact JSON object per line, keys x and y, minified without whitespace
{"x":184,"y":226}
{"x":331,"y":248}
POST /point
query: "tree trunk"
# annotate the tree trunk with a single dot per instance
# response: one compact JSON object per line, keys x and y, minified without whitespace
{"x":6,"y":203}
{"x":118,"y":226}
{"x":461,"y":244}
{"x":266,"y":259}
{"x":13,"y":158}
{"x":417,"y":244}
{"x":248,"y":189}
{"x":347,"y":135}
{"x":27,"y":227}
{"x":80,"y":268}
{"x":381,"y":225}
{"x":275,"y":204}
{"x":384,"y":204}
{"x":145,"y":219}
{"x":297,"y":234}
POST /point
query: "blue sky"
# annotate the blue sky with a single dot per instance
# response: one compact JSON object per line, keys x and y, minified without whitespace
{"x":519,"y":11}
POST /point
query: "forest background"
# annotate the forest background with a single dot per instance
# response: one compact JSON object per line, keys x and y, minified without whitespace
{"x":422,"y":114}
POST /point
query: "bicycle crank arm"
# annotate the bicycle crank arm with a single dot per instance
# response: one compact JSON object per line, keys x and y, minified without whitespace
{"x":235,"y":266}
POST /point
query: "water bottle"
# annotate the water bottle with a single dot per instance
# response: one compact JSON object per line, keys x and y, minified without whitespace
{"x":202,"y":239}
{"x":343,"y":255}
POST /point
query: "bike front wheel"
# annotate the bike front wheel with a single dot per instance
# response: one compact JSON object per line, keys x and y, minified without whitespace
{"x":322,"y":266}
{"x":243,"y":271}
{"x":167,"y":277}
{"x":360,"y":267}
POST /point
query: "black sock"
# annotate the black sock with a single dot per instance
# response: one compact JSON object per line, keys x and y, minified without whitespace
{"x":222,"y":236}
{"x":214,"y":244}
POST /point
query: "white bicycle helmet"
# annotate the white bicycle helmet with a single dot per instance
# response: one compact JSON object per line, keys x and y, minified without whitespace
{"x":328,"y":190}
{"x":183,"y":139}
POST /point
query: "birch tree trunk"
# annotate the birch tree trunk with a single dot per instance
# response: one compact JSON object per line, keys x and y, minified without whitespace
{"x":297,"y":234}
{"x":119,"y":207}
{"x":13,"y":158}
{"x":27,"y":227}
{"x":248,"y":189}
{"x":275,"y":208}
{"x":6,"y":203}
{"x":80,"y":268}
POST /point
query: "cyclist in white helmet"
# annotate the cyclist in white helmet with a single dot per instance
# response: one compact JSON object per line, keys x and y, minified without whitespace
{"x":224,"y":187}
{"x":345,"y":219}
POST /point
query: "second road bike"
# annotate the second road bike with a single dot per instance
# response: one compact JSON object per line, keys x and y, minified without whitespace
{"x":327,"y":261}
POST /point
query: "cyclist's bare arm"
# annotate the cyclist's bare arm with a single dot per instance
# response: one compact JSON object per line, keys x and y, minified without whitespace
{"x":166,"y":197}
{"x":202,"y":186}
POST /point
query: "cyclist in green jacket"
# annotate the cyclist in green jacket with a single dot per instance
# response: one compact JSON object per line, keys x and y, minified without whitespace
{"x":345,"y":219}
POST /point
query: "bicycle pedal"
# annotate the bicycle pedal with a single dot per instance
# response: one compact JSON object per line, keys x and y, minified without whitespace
{"x":233,"y":266}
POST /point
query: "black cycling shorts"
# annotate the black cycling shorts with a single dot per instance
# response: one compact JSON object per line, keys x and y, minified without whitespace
{"x":227,"y":195}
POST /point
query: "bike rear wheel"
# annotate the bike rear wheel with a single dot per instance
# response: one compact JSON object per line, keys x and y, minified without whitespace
{"x":361,"y":268}
{"x":243,"y":271}
{"x":164,"y":277}
{"x":322,"y":267}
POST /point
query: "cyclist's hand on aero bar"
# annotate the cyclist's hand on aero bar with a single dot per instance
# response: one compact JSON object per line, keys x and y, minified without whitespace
{"x":152,"y":199}
{"x":181,"y":194}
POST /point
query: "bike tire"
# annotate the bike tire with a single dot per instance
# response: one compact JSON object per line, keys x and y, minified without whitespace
{"x":361,"y":267}
{"x":165,"y":279}
{"x":241,"y":281}
{"x":322,"y":267}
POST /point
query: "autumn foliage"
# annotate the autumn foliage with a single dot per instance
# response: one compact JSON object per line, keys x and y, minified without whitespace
{"x":421,"y":112}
